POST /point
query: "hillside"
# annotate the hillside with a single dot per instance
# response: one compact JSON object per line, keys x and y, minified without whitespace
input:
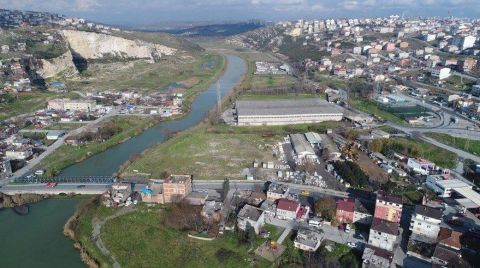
{"x":217,"y":30}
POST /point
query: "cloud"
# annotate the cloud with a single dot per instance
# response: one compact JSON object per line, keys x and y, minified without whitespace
{"x":84,"y":5}
{"x":128,"y":11}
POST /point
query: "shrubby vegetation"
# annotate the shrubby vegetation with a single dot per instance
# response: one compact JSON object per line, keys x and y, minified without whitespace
{"x":415,"y":148}
{"x":352,"y":173}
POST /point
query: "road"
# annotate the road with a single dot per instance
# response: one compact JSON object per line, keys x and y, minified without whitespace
{"x":197,"y":186}
{"x":32,"y":163}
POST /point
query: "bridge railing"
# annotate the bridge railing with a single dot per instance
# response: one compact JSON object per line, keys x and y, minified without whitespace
{"x":66,"y":179}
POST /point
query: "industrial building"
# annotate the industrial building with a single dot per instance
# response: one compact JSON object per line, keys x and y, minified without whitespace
{"x":302,"y":148}
{"x":285,"y":112}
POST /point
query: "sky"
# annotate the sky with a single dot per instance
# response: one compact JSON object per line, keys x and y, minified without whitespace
{"x":141,"y":12}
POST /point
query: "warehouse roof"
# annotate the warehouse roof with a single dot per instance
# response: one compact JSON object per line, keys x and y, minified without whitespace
{"x":470,"y":194}
{"x":286,"y":107}
{"x":300,"y":144}
{"x":313,"y":137}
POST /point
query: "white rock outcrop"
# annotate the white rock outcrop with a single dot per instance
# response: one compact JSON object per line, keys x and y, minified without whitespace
{"x":62,"y":64}
{"x":90,"y":46}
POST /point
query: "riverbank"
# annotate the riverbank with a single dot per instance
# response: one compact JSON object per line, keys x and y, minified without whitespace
{"x":11,"y":201}
{"x":125,"y":128}
{"x":81,"y":224}
{"x":132,"y":126}
{"x":79,"y":229}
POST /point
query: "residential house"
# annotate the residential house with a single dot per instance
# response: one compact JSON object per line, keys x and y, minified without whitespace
{"x":388,"y":207}
{"x":377,"y":257}
{"x":277,"y":191}
{"x":287,"y":209}
{"x":425,"y":223}
{"x":19,"y":153}
{"x":153,"y":193}
{"x":446,"y":257}
{"x":420,"y":165}
{"x":250,"y":217}
{"x":345,"y":210}
{"x":307,"y":240}
{"x":440,"y":72}
{"x":383,"y":234}
{"x":449,"y":238}
{"x":363,"y":212}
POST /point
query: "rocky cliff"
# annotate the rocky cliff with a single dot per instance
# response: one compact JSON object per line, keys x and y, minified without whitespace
{"x":92,"y":46}
{"x":63,"y":64}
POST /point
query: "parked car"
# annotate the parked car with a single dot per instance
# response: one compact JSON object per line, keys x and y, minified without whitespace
{"x":352,"y":245}
{"x":347,"y":228}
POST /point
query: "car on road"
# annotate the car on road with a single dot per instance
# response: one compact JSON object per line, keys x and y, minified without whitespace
{"x":347,"y":228}
{"x":81,"y":186}
{"x":51,"y":184}
{"x":352,"y":244}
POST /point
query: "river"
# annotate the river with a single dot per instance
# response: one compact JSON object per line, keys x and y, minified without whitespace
{"x":36,"y":240}
{"x":108,"y":162}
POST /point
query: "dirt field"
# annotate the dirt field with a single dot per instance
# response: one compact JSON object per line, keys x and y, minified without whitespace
{"x":371,"y":169}
{"x":204,"y":154}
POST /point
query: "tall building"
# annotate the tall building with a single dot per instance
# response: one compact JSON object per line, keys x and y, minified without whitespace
{"x":176,"y":187}
{"x":71,"y":105}
{"x":425,"y":223}
{"x":388,"y":207}
{"x":383,"y":234}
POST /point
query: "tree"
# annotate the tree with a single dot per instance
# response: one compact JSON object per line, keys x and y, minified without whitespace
{"x":326,"y":207}
{"x":349,"y":260}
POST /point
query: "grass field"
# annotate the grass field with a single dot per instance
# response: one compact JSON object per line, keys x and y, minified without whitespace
{"x":215,"y":152}
{"x":28,"y":102}
{"x":371,"y":107}
{"x":83,"y":229}
{"x":471,"y":146}
{"x":416,"y":148}
{"x":149,"y":76}
{"x":140,"y":239}
{"x":266,"y":81}
{"x":278,"y":97}
{"x":67,"y":155}
{"x":205,"y":154}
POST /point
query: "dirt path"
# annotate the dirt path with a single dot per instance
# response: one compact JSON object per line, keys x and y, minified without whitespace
{"x":97,"y":226}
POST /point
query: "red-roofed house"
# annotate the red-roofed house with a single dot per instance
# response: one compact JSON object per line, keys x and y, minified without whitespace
{"x":287,"y":209}
{"x":345,"y":210}
{"x":449,"y":238}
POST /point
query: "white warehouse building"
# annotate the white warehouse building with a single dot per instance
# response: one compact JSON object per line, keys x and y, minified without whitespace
{"x":285,"y":112}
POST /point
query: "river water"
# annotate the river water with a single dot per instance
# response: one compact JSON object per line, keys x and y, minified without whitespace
{"x":108,"y":162}
{"x":36,"y":240}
